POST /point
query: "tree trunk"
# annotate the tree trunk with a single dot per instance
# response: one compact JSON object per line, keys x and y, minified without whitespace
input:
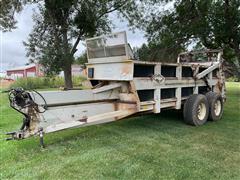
{"x":68,"y":76}
{"x":68,"y":58}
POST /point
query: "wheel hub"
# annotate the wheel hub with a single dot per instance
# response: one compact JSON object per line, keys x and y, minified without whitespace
{"x":202,"y":110}
{"x":217,"y":107}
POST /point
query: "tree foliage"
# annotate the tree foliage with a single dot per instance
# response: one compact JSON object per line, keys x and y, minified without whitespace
{"x":60,"y":25}
{"x":8,"y":8}
{"x":82,"y":59}
{"x":158,"y":52}
{"x":208,"y":23}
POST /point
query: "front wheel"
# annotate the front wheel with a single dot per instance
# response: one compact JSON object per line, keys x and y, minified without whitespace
{"x":196,"y":110}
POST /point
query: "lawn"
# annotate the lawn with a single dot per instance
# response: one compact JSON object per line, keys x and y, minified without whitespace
{"x":157,"y":146}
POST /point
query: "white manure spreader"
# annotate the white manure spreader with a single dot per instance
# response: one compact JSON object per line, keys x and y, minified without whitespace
{"x":123,"y":86}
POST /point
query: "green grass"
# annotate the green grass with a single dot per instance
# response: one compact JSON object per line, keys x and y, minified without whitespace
{"x":45,"y":82}
{"x":146,"y":147}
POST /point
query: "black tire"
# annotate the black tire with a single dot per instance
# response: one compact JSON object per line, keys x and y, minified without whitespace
{"x":196,"y":110}
{"x":215,"y":100}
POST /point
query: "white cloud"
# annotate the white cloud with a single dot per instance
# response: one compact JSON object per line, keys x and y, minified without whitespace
{"x":13,"y":51}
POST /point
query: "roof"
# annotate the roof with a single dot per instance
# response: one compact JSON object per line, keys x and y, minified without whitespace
{"x":22,"y":67}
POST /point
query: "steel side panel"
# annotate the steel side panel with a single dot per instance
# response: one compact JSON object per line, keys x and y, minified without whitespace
{"x":64,"y":114}
{"x":73,"y":96}
{"x":107,"y":59}
{"x":97,"y":119}
{"x":147,"y":83}
{"x":121,"y":71}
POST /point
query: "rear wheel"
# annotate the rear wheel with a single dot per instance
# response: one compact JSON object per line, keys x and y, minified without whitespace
{"x":196,"y":110}
{"x":215,"y":102}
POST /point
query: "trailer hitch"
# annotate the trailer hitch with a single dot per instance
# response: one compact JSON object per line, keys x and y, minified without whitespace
{"x":15,"y":135}
{"x":20,"y":135}
{"x":24,"y":102}
{"x":12,"y":136}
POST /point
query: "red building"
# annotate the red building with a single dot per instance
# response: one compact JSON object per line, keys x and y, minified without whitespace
{"x":32,"y":70}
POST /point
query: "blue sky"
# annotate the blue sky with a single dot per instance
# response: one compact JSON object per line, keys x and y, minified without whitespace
{"x":13,"y":52}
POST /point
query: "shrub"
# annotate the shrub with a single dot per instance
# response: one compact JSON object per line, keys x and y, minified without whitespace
{"x":233,"y":79}
{"x":45,"y":82}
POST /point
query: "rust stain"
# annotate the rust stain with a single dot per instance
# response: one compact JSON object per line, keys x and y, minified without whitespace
{"x":126,"y":69}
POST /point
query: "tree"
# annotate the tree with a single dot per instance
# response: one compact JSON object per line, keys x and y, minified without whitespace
{"x":60,"y":25}
{"x":213,"y":24}
{"x":157,"y":52}
{"x":82,"y":59}
{"x":8,"y":10}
